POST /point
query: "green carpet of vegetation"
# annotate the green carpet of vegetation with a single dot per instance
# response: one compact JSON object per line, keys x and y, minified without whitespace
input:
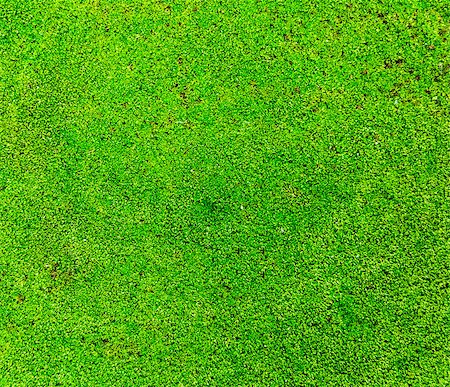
{"x":224,"y":193}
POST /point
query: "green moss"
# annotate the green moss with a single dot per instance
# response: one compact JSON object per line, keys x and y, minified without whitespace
{"x":224,"y":193}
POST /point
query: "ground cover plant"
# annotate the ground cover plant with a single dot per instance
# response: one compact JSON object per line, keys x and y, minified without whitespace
{"x":224,"y":193}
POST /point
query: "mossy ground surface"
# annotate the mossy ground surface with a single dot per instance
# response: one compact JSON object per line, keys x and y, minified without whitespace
{"x":224,"y":193}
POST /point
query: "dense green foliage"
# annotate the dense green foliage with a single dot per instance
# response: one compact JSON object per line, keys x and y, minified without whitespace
{"x":224,"y":193}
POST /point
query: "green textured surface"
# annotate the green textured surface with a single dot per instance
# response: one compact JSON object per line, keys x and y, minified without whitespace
{"x":228,"y":193}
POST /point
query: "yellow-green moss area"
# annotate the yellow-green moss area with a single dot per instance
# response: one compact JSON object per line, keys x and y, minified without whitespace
{"x":224,"y":193}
